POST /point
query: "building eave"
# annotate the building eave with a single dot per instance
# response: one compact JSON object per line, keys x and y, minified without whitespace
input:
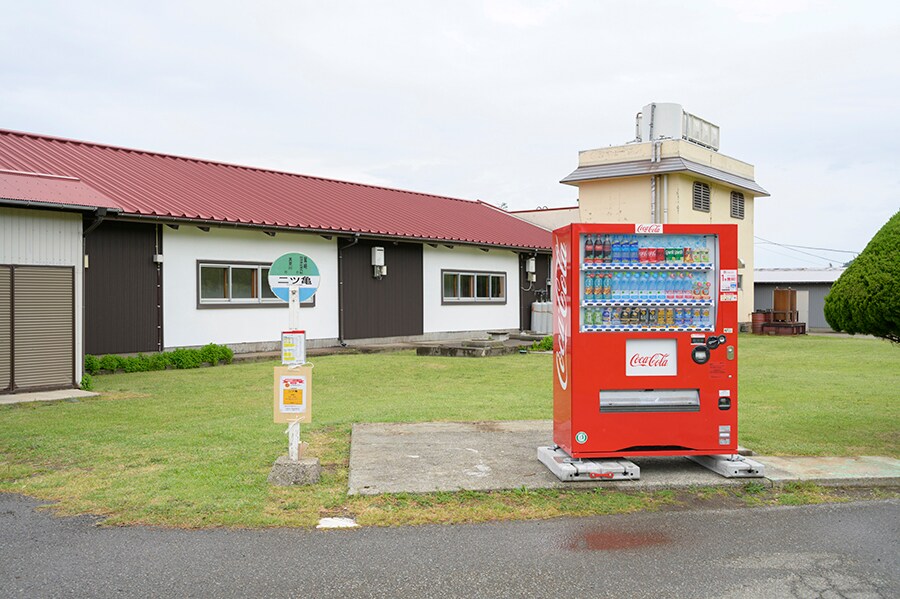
{"x":673,"y":164}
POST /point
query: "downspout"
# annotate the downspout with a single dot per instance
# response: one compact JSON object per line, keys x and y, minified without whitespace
{"x":653,"y":198}
{"x":341,"y":286}
{"x":665,"y":199}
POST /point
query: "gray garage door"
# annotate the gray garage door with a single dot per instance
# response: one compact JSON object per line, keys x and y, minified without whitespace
{"x":37,"y":328}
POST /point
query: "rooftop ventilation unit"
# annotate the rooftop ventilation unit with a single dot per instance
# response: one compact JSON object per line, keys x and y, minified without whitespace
{"x":664,"y":120}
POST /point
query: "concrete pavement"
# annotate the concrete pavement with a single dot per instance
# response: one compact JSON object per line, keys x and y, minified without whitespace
{"x":483,"y":456}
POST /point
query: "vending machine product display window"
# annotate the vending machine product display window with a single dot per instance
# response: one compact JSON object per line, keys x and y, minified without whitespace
{"x":645,"y":339}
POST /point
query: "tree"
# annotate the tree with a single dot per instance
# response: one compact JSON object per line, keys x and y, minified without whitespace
{"x":866,"y":298}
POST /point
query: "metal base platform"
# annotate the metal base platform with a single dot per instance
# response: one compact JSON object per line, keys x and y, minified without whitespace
{"x":731,"y":466}
{"x":567,"y":468}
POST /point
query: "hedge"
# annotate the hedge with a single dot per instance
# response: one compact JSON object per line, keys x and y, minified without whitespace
{"x":211,"y":354}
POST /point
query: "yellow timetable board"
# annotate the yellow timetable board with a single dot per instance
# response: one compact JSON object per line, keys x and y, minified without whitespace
{"x":293,"y":394}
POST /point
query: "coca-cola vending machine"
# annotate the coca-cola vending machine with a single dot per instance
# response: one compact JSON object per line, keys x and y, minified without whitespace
{"x":645,"y":346}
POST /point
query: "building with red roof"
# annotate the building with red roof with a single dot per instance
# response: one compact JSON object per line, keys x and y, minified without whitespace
{"x":136,"y":251}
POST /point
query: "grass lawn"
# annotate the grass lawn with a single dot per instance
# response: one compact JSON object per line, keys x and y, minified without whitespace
{"x":193,"y":447}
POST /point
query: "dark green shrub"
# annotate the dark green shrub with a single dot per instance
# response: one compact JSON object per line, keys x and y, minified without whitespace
{"x":111,"y":362}
{"x":159,"y":361}
{"x":91,"y":364}
{"x":209,"y":353}
{"x":545,"y":344}
{"x":866,"y":299}
{"x":185,"y":358}
{"x":225,"y":354}
{"x":87,"y":382}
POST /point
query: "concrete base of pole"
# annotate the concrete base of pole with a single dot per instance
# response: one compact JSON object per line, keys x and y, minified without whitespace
{"x":287,"y":472}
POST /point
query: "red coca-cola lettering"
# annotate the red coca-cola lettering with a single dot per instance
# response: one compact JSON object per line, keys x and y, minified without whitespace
{"x":657,"y":360}
{"x":655,"y":228}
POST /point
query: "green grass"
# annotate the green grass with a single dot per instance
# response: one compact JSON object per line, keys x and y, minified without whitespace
{"x":193,"y":447}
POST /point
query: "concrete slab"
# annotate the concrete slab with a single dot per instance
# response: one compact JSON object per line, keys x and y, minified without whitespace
{"x":484,"y":456}
{"x":58,"y":395}
{"x":843,"y":471}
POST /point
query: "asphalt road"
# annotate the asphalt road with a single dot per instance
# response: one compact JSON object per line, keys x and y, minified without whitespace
{"x":838,"y":550}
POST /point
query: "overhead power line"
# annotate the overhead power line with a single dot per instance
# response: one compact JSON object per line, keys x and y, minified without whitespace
{"x":793,"y":249}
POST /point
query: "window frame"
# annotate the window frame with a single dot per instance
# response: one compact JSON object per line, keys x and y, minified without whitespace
{"x":737,"y":198}
{"x":474,"y":300}
{"x":262,"y":282}
{"x":701,"y":201}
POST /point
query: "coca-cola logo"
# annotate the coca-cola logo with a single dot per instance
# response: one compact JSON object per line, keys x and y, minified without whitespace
{"x":654,"y":229}
{"x":560,"y":258}
{"x":657,"y":360}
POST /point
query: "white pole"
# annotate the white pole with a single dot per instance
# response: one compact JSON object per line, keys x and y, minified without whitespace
{"x":294,"y":308}
{"x":293,"y":433}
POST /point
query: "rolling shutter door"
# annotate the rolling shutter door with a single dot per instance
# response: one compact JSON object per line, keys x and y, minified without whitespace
{"x":44,"y":327}
{"x":5,"y":328}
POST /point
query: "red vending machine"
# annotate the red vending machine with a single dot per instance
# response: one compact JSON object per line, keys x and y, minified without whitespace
{"x":645,"y":344}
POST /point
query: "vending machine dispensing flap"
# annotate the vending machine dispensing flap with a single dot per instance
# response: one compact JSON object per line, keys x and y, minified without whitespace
{"x":653,"y":400}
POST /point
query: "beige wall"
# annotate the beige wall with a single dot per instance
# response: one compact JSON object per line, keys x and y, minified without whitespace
{"x":628,"y":200}
{"x":615,"y":200}
{"x":670,"y":148}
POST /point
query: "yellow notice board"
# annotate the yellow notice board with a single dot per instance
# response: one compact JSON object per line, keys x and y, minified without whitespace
{"x":293,"y":394}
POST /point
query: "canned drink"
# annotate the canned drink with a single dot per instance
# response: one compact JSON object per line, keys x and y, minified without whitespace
{"x":643,"y":255}
{"x":614,"y":317}
{"x":606,"y":317}
{"x":688,"y":255}
{"x":670,"y":316}
{"x":705,"y":317}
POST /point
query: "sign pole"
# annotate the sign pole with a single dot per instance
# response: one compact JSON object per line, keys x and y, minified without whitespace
{"x":294,"y":308}
{"x":293,"y":278}
{"x":293,"y":433}
{"x":293,"y":430}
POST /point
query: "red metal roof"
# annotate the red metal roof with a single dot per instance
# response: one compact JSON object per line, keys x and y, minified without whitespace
{"x":68,"y":192}
{"x":173,"y":187}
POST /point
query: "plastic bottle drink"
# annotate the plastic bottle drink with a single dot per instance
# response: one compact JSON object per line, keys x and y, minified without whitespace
{"x":606,"y":317}
{"x":607,"y":249}
{"x":633,"y":250}
{"x":607,"y":286}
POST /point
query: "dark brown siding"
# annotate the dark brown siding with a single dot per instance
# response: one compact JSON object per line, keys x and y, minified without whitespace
{"x":389,"y":307}
{"x":120,"y":289}
{"x":538,"y":290}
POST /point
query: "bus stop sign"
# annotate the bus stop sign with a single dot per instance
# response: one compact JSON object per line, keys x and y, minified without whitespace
{"x":294,"y":270}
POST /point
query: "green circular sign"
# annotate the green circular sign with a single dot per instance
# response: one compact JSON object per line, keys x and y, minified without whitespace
{"x":581,"y":437}
{"x":294,"y":270}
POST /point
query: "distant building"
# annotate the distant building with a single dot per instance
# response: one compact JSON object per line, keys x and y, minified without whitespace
{"x":812,"y":285}
{"x":550,"y":218}
{"x":671,"y":173}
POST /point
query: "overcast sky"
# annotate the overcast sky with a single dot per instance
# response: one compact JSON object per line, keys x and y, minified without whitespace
{"x":483,"y":100}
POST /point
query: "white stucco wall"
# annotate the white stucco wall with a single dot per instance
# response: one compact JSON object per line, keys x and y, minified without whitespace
{"x":184,"y":324}
{"x":443,"y":318}
{"x":47,"y":238}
